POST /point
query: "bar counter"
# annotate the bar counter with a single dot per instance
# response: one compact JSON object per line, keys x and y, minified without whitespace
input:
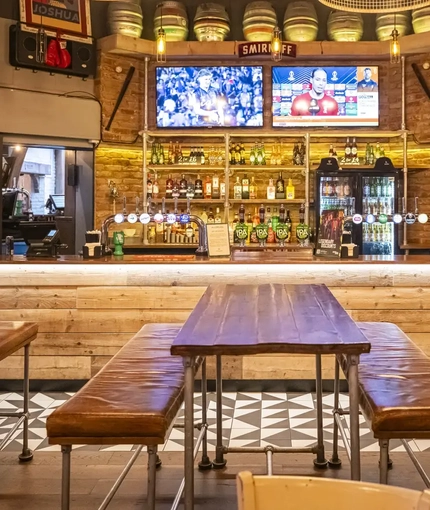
{"x":87,"y":309}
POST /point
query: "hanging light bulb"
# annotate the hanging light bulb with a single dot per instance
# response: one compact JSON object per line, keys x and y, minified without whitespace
{"x":276,"y":45}
{"x":394,"y":45}
{"x":161,"y":39}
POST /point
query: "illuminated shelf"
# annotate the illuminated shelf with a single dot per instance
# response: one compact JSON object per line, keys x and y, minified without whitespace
{"x":267,"y":201}
{"x":315,"y":166}
{"x":188,"y":167}
{"x":183,"y":133}
{"x":183,"y":201}
{"x":354,"y":133}
{"x":279,"y":168}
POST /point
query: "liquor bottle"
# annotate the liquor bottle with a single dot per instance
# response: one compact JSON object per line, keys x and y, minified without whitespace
{"x":371,"y":156}
{"x":262,"y":214}
{"x":222,"y":188}
{"x":198,"y":187}
{"x":211,"y":217}
{"x":242,"y":154}
{"x":237,"y":189}
{"x":263,"y":152}
{"x":217,"y":216}
{"x":290,"y":224}
{"x":252,"y":156}
{"x":215,"y":187}
{"x":275,"y":218}
{"x":367,"y":154}
{"x":170,"y":154}
{"x":259,"y":154}
{"x":252,"y":189}
{"x":180,"y":155}
{"x":190,"y":189}
{"x":282,"y":214}
{"x":295,"y":152}
{"x":280,"y":187}
{"x":208,"y":187}
{"x":204,"y":216}
{"x":169,"y":186}
{"x":271,"y":190}
{"x":193,"y":156}
{"x":290,"y":190}
{"x":175,"y":189}
{"x":330,"y":151}
{"x":161,"y":158}
{"x":149,"y":187}
{"x":176,"y":154}
{"x":335,"y":153}
{"x":154,"y":158}
{"x":183,"y":185}
{"x":302,"y":213}
{"x":347,"y":151}
{"x":155,"y":187}
{"x":377,"y":151}
{"x":237,"y":155}
{"x":245,"y":187}
{"x":202,"y":156}
{"x":242,"y":213}
{"x":354,"y":151}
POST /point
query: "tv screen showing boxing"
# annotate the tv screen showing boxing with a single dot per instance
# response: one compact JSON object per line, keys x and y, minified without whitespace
{"x":325,"y":96}
{"x":190,"y":97}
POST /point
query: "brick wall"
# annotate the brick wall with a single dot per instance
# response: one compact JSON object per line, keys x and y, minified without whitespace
{"x":122,"y":162}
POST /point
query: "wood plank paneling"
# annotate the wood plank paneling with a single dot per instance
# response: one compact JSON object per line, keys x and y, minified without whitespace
{"x":139,"y":297}
{"x":410,"y":321}
{"x":47,"y":367}
{"x":35,"y":297}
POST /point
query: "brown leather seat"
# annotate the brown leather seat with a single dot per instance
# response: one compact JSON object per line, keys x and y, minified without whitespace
{"x":132,"y":400}
{"x":15,"y":335}
{"x":394,"y":383}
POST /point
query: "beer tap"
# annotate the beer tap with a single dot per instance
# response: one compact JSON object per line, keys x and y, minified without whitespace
{"x":137,"y":206}
{"x":416,"y":206}
{"x":163,"y":207}
{"x":403,"y":206}
{"x":124,"y":206}
{"x":262,"y":229}
{"x":188,"y":206}
{"x":175,"y":206}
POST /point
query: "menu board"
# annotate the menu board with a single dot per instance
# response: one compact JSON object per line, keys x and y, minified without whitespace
{"x":330,"y":233}
{"x":218,"y":240}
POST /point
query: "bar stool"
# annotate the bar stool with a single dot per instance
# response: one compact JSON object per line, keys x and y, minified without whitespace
{"x":306,"y":493}
{"x":14,"y":336}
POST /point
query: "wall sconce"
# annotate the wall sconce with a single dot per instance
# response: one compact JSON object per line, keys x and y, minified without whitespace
{"x":276,"y":45}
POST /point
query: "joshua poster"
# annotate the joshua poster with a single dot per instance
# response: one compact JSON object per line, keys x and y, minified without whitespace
{"x":66,"y":16}
{"x":330,"y":234}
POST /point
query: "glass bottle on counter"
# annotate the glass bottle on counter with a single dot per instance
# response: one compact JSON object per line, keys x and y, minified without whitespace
{"x":237,"y":189}
{"x":280,"y":187}
{"x":183,"y":185}
{"x":245,"y":187}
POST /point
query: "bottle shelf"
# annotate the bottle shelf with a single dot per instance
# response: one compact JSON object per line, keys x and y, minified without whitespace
{"x":187,"y":167}
{"x":278,"y":168}
{"x":192,"y":200}
{"x":266,"y":201}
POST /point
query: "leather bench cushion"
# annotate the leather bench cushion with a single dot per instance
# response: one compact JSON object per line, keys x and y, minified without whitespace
{"x":14,"y":335}
{"x":136,"y":395}
{"x":394,"y":382}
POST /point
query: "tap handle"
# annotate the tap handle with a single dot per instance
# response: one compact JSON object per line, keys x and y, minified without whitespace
{"x":188,"y":205}
{"x":416,"y":205}
{"x":163,"y":205}
{"x":403,"y":205}
{"x":148,"y":206}
{"x":175,"y":210}
{"x":124,"y":205}
{"x":137,"y":205}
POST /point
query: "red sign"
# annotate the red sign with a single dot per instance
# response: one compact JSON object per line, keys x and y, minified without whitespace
{"x":252,"y":49}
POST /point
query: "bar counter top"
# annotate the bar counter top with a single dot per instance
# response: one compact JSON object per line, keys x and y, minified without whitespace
{"x":242,"y":258}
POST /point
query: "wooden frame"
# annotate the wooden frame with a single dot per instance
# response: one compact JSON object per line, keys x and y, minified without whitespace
{"x":66,"y":16}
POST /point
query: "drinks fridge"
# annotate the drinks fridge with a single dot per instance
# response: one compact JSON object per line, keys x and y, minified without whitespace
{"x":367,"y":193}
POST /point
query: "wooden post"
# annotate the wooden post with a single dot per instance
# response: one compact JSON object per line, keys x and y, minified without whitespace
{"x":1,"y":194}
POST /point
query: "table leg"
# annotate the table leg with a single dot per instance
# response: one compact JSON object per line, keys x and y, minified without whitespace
{"x":320,"y":461}
{"x":219,"y":461}
{"x":205,"y":463}
{"x":335,"y":461}
{"x":353,"y":361}
{"x":189,"y":433}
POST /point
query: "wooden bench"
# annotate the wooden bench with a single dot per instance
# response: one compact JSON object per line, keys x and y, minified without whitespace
{"x":134,"y":399}
{"x":13,"y":337}
{"x":394,"y":381}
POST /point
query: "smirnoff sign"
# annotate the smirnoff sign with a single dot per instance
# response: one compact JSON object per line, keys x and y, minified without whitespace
{"x":251,"y":49}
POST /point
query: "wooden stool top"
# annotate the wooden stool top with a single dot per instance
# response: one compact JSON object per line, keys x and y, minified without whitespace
{"x":14,"y":335}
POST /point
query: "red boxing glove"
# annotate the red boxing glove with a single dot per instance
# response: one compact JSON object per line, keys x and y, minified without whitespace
{"x":65,"y":58}
{"x":52,"y":54}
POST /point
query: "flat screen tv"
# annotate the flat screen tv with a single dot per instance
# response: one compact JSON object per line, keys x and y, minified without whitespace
{"x":190,"y":97}
{"x":325,"y":96}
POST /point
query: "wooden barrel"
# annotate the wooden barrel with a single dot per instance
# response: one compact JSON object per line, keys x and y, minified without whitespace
{"x":259,"y":20}
{"x":125,"y":18}
{"x":300,"y":22}
{"x":345,"y":26}
{"x":421,"y":20}
{"x":385,"y":25}
{"x":211,"y":22}
{"x":173,"y":16}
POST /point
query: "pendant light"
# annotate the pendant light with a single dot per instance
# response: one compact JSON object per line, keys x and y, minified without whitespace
{"x":161,"y":39}
{"x":394,"y":45}
{"x":276,"y":45}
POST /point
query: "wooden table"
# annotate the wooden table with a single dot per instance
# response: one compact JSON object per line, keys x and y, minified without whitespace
{"x":270,"y":318}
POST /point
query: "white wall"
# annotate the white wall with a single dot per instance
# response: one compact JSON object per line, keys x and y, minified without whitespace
{"x":26,"y":109}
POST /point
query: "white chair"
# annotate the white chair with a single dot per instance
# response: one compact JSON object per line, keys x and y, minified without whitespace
{"x":306,"y":493}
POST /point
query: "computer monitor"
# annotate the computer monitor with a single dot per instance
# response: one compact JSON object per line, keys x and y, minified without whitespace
{"x":35,"y":231}
{"x":9,"y":200}
{"x":57,"y":201}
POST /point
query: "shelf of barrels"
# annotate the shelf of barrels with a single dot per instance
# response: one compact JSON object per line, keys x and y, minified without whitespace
{"x":211,"y":22}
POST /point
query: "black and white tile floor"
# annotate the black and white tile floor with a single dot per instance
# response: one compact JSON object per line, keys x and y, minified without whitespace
{"x":249,"y":419}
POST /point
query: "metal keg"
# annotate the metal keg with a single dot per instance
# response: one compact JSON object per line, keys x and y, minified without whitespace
{"x":300,"y":22}
{"x":385,"y":25}
{"x":259,"y":20}
{"x":421,"y":20}
{"x":211,"y":22}
{"x":173,"y":16}
{"x":125,"y":18}
{"x":345,"y":26}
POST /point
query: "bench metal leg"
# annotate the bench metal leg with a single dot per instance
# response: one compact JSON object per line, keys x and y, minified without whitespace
{"x":320,"y":461}
{"x":219,"y":461}
{"x":189,"y":433}
{"x":205,"y":463}
{"x":152,"y":474}
{"x":383,"y":460}
{"x":65,"y":478}
{"x":335,"y":461}
{"x":354,"y":412}
{"x":26,"y":454}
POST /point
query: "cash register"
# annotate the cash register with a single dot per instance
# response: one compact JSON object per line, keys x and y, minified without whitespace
{"x":42,"y":238}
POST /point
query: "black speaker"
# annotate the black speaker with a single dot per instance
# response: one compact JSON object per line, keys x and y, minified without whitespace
{"x":22,"y":53}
